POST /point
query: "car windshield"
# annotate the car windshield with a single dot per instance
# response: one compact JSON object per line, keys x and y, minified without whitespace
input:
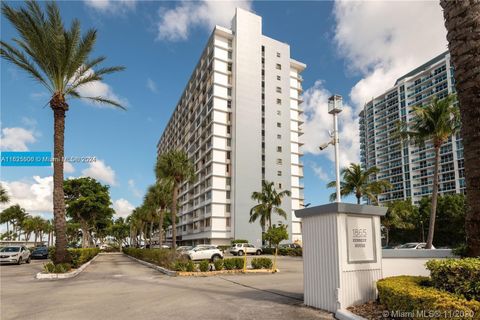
{"x":10,"y":249}
{"x":408,"y":246}
{"x":40,"y":249}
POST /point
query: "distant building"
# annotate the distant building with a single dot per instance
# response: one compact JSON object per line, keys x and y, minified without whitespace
{"x":239,"y":119}
{"x":409,"y":168}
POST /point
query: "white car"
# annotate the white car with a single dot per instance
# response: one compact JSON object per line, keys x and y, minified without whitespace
{"x":239,"y":249}
{"x":414,"y":245}
{"x":14,"y":254}
{"x":205,"y":252}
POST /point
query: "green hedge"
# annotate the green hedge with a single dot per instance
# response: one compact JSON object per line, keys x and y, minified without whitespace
{"x":293,"y":252}
{"x":77,"y":256}
{"x":239,"y":241}
{"x":218,"y":264}
{"x":460,"y":276}
{"x":414,"y":295}
{"x":262,"y":263}
{"x":183,"y":265}
{"x":233,"y":263}
{"x":161,"y":257}
{"x":59,"y":268}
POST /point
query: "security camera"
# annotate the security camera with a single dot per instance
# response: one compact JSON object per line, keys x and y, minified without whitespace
{"x":324,"y":145}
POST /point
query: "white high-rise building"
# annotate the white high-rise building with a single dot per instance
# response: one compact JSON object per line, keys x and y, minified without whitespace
{"x":240,"y":121}
{"x":409,"y":167}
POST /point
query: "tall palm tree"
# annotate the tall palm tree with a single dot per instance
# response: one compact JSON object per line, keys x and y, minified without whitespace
{"x":269,"y":200}
{"x":176,"y":166}
{"x":435,"y":122}
{"x":461,"y":21}
{"x":358,"y":182}
{"x":4,"y":197}
{"x":159,"y":196}
{"x":59,"y":59}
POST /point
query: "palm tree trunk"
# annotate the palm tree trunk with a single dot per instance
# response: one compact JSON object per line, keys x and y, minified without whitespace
{"x":174,"y":217}
{"x":433,"y":212}
{"x":85,"y":240}
{"x":151,"y":233}
{"x":461,"y":21}
{"x":160,"y":229}
{"x":59,"y":107}
{"x":358,"y":199}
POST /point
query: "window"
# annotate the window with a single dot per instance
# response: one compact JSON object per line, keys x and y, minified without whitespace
{"x":230,"y":43}
{"x":279,"y":161}
{"x":279,"y":136}
{"x":278,"y":66}
{"x":279,"y":185}
{"x":279,"y":149}
{"x":228,"y":194}
{"x":229,"y":104}
{"x":227,"y":208}
{"x":229,"y":68}
{"x":279,"y":173}
{"x":279,"y":78}
{"x":279,"y":125}
{"x":229,"y":92}
{"x":227,"y":222}
{"x":279,"y":90}
{"x":279,"y":101}
{"x":279,"y":113}
{"x":278,"y":54}
{"x":207,"y":222}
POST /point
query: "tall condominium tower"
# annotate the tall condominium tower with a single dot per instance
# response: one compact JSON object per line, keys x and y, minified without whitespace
{"x":409,"y":168}
{"x":239,"y":119}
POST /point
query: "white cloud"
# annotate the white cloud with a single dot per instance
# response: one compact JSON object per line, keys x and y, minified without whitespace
{"x":68,"y":167}
{"x":16,"y":139}
{"x":111,"y":6}
{"x":319,"y":172}
{"x":175,"y":24}
{"x":318,"y":122}
{"x":34,"y":196}
{"x":99,"y":89}
{"x":99,"y":170}
{"x":384,"y":40}
{"x":133,"y":188}
{"x":122,"y":208}
{"x":152,"y":86}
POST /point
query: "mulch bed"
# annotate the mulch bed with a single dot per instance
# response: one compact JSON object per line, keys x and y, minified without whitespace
{"x":370,"y":310}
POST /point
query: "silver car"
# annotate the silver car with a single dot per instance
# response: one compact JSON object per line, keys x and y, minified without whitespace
{"x":239,"y":249}
{"x":14,"y":254}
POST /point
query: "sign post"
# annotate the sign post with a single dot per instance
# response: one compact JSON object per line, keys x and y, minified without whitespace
{"x":342,"y":257}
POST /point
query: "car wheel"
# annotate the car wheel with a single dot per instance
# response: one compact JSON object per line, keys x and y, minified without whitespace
{"x":259,"y":252}
{"x":240,"y":253}
{"x":28,"y":260}
{"x":216,"y":257}
{"x":19,"y":261}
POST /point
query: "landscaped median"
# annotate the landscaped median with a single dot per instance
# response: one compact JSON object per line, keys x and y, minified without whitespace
{"x":80,"y":259}
{"x":174,"y":264}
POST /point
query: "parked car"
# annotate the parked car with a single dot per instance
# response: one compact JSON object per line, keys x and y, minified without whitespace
{"x":184,"y":248}
{"x":39,"y":253}
{"x":14,"y":254}
{"x":204,"y":252}
{"x":290,"y":245}
{"x":414,"y":245}
{"x":239,"y":249}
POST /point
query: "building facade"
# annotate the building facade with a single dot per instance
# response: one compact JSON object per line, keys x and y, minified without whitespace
{"x":240,"y":121}
{"x":408,"y":167}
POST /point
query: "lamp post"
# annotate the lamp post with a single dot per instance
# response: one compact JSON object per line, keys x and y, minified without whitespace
{"x":335,"y":104}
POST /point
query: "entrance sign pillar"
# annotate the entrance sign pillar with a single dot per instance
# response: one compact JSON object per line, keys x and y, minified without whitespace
{"x":342,"y":255}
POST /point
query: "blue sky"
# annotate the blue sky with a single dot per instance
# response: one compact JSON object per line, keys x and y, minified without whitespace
{"x":356,"y":49}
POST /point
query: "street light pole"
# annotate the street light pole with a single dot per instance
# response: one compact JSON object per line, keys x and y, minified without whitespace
{"x":335,"y":104}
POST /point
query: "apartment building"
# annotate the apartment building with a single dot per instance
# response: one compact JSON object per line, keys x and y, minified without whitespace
{"x":240,"y":121}
{"x":409,"y":168}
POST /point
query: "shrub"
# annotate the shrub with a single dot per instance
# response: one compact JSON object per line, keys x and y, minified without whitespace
{"x":204,"y":266}
{"x":59,"y":268}
{"x":412,"y":294}
{"x":77,"y":256}
{"x":459,"y":276}
{"x":233,"y":263}
{"x":293,"y":252}
{"x":218,"y":264}
{"x":239,"y":241}
{"x":223,"y":248}
{"x":190,"y":266}
{"x":262,"y":263}
{"x":161,"y":257}
{"x":179,"y":265}
{"x":49,"y":267}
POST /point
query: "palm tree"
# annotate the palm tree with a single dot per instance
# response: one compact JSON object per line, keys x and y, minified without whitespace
{"x":400,"y":215}
{"x":4,"y":198}
{"x":59,"y":59}
{"x":436,"y":122}
{"x":358,"y":182}
{"x":176,"y":166}
{"x":159,"y":196}
{"x":269,"y":200}
{"x":461,"y":21}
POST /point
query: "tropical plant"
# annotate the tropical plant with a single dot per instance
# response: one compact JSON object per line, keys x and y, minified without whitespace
{"x":119,"y":231}
{"x":358,"y":182}
{"x":274,"y":236}
{"x":88,"y":203}
{"x":176,"y":166}
{"x":159,"y":196}
{"x":58,"y":59}
{"x":269,"y":200}
{"x":435,"y":122}
{"x":461,"y":21}
{"x":401,"y":215}
{"x":14,"y":215}
{"x":4,"y":197}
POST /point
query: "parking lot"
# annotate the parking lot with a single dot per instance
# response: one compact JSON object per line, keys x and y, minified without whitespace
{"x":116,"y":287}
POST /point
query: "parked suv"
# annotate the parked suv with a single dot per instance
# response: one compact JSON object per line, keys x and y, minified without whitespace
{"x":239,"y":249}
{"x":14,"y":254}
{"x":205,"y":252}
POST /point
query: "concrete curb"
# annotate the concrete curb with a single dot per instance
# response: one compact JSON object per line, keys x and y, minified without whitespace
{"x":56,"y":276}
{"x":153,"y":266}
{"x":344,"y":314}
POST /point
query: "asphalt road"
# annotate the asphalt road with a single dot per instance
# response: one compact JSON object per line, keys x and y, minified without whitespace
{"x":116,"y":287}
